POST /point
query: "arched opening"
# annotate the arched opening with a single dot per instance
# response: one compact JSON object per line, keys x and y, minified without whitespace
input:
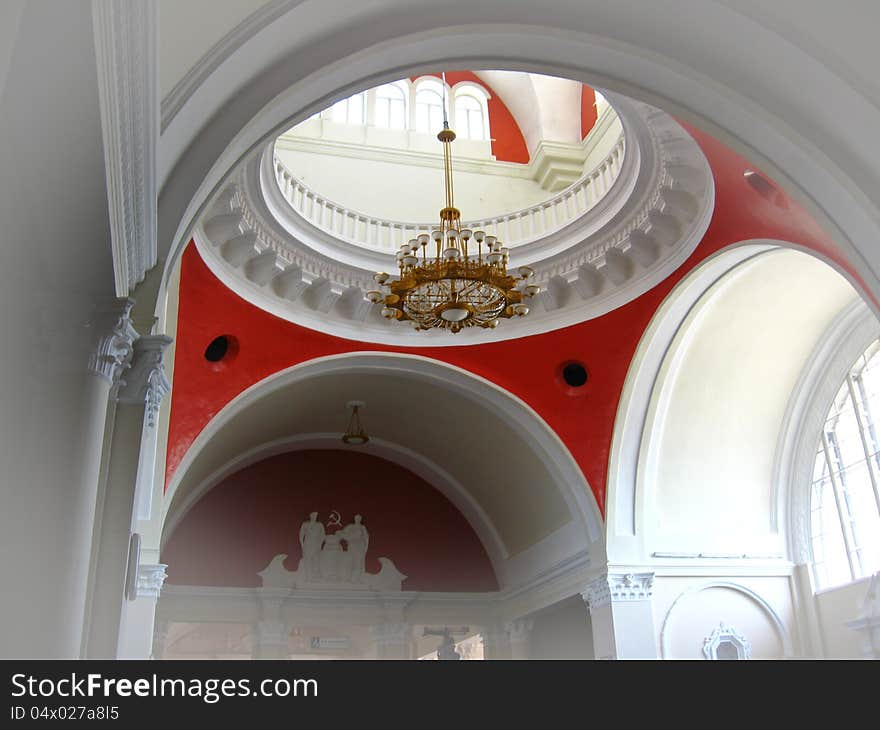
{"x":502,"y":526}
{"x":703,"y":472}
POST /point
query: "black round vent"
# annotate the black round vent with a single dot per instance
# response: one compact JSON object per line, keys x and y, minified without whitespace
{"x":574,"y":374}
{"x":218,"y":348}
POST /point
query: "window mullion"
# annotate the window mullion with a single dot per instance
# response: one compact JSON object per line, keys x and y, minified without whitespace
{"x":838,"y":498}
{"x":870,"y":454}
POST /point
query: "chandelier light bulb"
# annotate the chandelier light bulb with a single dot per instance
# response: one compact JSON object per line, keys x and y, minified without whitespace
{"x":452,"y":287}
{"x":532,"y":290}
{"x":381,"y":277}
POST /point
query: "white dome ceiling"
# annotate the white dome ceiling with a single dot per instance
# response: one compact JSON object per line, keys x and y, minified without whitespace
{"x":597,"y":244}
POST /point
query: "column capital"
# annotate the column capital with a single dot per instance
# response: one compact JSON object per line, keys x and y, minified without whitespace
{"x":270,"y":632}
{"x":519,"y":629}
{"x":391,"y":633}
{"x":150,"y":579}
{"x":114,"y":338}
{"x":146,"y":382}
{"x":610,"y":588}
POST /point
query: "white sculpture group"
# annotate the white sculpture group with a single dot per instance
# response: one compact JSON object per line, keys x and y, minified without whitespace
{"x":327,"y":563}
{"x":323,"y":556}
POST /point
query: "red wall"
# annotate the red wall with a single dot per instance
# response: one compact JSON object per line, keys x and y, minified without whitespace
{"x":588,"y":110}
{"x":508,"y":143}
{"x":255,"y":514}
{"x":527,"y":368}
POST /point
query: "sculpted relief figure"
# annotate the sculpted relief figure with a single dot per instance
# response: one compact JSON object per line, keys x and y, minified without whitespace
{"x":311,"y":538}
{"x":357,"y":540}
{"x":333,"y":560}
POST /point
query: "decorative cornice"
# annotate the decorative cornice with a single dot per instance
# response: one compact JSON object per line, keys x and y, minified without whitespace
{"x":115,"y":338}
{"x":146,"y":382}
{"x":150,"y":579}
{"x":638,"y":232}
{"x":618,"y":587}
{"x":126,"y":48}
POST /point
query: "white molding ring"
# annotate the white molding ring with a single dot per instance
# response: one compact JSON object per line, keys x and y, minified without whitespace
{"x":643,"y":228}
{"x":847,"y":337}
{"x":643,"y":54}
{"x":420,"y":465}
{"x":778,"y":623}
{"x":567,"y":476}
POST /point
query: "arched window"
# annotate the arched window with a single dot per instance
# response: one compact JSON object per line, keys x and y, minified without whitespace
{"x":350,"y":111}
{"x":429,"y":107}
{"x":470,"y":120}
{"x":391,"y":106}
{"x":845,"y":495}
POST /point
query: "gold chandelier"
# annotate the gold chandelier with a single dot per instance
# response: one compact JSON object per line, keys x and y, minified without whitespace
{"x":463,"y":282}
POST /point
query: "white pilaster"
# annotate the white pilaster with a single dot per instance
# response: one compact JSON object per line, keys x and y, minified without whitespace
{"x":519,"y":633}
{"x":140,"y":614}
{"x":392,"y":641}
{"x":621,"y":615}
{"x":269,"y":639}
{"x":139,"y":396}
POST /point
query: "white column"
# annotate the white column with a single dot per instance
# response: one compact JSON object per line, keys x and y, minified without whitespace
{"x":496,"y":642}
{"x":140,"y":614}
{"x":109,"y":359}
{"x":270,"y":639}
{"x":621,"y":615}
{"x":138,"y":404}
{"x":392,"y":641}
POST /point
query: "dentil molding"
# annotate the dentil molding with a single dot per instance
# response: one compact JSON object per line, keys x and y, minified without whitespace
{"x":126,"y":47}
{"x":617,"y":587}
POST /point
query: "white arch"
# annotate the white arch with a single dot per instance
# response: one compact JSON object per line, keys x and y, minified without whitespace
{"x":643,"y":405}
{"x":290,"y":74}
{"x":584,"y":536}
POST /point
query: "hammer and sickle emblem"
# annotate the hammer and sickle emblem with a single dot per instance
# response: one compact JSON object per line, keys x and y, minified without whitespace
{"x":335,"y":519}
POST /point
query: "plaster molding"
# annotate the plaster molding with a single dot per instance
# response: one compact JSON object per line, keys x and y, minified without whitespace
{"x":611,"y":588}
{"x":726,"y":634}
{"x":115,"y":340}
{"x":126,"y":46}
{"x":218,"y":53}
{"x":146,"y":382}
{"x":150,"y":579}
{"x":641,"y":230}
{"x":778,"y":623}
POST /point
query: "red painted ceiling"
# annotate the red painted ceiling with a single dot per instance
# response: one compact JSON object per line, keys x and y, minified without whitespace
{"x":255,"y":514}
{"x":527,"y":367}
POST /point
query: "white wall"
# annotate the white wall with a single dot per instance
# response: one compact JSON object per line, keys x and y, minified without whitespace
{"x":728,"y":378}
{"x":408,"y":192}
{"x":562,"y":631}
{"x":836,"y":606}
{"x":56,"y":264}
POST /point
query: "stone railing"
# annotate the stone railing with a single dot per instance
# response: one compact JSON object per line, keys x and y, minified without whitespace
{"x":517,"y":228}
